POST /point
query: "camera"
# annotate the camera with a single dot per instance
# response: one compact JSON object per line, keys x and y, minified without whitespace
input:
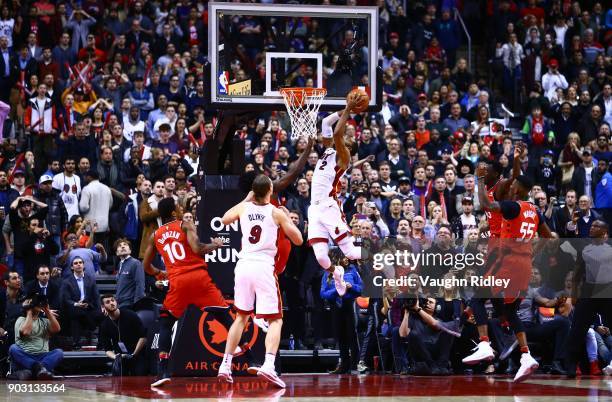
{"x":37,"y":300}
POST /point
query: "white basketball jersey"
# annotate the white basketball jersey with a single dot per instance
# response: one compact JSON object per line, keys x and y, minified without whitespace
{"x":259,"y":233}
{"x":326,"y":177}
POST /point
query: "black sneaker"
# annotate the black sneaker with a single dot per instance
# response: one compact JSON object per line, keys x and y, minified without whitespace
{"x":557,"y":368}
{"x":163,"y":376}
{"x":41,"y":373}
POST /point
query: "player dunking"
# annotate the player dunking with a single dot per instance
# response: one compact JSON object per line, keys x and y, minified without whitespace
{"x":520,"y":222}
{"x":178,"y":244}
{"x":255,"y":283}
{"x":497,"y":189}
{"x":325,"y":218}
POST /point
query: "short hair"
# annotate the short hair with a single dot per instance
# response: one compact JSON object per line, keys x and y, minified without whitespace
{"x":166,"y":207}
{"x":106,"y":296}
{"x":42,"y":266}
{"x":261,"y":186}
{"x":7,"y":274}
{"x":119,"y":241}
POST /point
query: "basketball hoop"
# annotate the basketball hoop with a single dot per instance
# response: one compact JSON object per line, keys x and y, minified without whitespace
{"x":303,"y":105}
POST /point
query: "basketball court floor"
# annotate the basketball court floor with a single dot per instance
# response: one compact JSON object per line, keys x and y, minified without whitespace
{"x":316,"y":387}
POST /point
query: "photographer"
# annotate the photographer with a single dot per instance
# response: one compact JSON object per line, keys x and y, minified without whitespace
{"x":38,"y":248}
{"x":123,"y":338}
{"x":32,"y":333}
{"x":427,"y":345}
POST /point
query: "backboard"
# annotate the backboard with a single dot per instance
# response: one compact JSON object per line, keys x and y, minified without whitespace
{"x":256,"y":49}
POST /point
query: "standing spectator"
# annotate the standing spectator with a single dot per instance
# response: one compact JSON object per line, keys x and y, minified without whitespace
{"x":20,"y":213}
{"x":79,"y":23}
{"x":130,"y":276}
{"x":343,"y":312}
{"x":57,"y":216}
{"x":41,"y":124}
{"x":565,"y":214}
{"x":449,"y":34}
{"x":512,"y":56}
{"x":465,"y":222}
{"x":592,"y":274}
{"x":585,"y":177}
{"x":123,"y":338}
{"x":65,"y":56}
{"x":11,"y":297}
{"x":31,"y":348}
{"x":148,"y":214}
{"x":38,"y":249}
{"x":80,"y":301}
{"x":69,"y":186}
{"x":95,"y":204}
{"x":553,"y":80}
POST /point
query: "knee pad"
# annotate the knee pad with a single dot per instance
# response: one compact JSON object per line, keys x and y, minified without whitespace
{"x":321,"y":251}
{"x":351,"y":251}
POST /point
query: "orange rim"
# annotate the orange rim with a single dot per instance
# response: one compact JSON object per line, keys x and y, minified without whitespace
{"x":299,"y":93}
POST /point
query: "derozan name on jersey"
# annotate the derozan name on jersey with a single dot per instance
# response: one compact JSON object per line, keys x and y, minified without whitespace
{"x":167,"y":235}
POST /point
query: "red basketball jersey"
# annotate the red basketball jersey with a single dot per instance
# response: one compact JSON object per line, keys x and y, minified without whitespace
{"x":283,"y":244}
{"x":494,"y":218}
{"x":522,"y":228}
{"x":171,"y":243}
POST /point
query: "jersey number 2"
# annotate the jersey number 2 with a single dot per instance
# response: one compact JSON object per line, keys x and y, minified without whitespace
{"x":255,"y":234}
{"x":323,"y":164}
{"x":175,"y":251}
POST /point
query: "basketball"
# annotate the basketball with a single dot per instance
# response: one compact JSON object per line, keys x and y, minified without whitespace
{"x":363,"y":103}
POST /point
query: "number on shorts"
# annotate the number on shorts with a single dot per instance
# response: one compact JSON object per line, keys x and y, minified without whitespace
{"x":255,"y":234}
{"x":175,"y":251}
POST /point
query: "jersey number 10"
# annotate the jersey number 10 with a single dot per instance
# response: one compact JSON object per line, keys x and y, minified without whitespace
{"x":175,"y":251}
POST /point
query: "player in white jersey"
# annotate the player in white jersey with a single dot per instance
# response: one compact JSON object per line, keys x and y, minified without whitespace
{"x":255,"y":283}
{"x":325,"y":218}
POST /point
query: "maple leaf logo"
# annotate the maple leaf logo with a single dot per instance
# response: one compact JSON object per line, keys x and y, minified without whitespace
{"x":218,"y":330}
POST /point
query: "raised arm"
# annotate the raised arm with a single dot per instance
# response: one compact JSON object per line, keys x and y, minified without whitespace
{"x":343,"y":154}
{"x":504,"y":185}
{"x":292,"y":232}
{"x":484,"y":201}
{"x":295,"y":170}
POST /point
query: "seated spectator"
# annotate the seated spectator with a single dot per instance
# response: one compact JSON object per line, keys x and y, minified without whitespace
{"x":92,"y":258}
{"x":47,"y":283}
{"x":31,"y":349}
{"x":80,"y":302}
{"x":123,"y":338}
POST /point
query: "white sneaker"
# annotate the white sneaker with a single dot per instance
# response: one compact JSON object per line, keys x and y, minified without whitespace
{"x":528,"y":366}
{"x":225,"y":374}
{"x":608,"y":369}
{"x":261,"y":323}
{"x":339,"y":280}
{"x":271,"y":376}
{"x":483,"y":351}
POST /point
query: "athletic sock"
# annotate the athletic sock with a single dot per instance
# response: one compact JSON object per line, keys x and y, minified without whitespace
{"x":227,"y":360}
{"x":269,"y":362}
{"x":524,"y":349}
{"x":484,"y":339}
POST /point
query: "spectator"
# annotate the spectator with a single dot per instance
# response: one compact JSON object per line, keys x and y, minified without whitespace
{"x":130,"y":276}
{"x":95,"y":204}
{"x":343,"y":312}
{"x":57,"y":215}
{"x":583,"y":218}
{"x":11,"y":297}
{"x":20,"y":213}
{"x":31,"y":349}
{"x":123,"y":338}
{"x":91,"y":256}
{"x":38,"y":249}
{"x":553,"y":80}
{"x":47,"y":283}
{"x":69,"y":186}
{"x":80,"y":301}
{"x":466,"y":221}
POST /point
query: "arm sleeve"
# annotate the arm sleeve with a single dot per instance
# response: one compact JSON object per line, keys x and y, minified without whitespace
{"x":510,"y":209}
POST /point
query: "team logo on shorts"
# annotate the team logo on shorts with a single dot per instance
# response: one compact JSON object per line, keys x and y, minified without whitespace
{"x":213,"y":334}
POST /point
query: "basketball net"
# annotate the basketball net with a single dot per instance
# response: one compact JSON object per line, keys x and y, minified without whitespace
{"x":303,"y":106}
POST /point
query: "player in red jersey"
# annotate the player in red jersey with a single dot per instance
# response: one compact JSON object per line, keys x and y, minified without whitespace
{"x":497,"y":188}
{"x":520,"y":222}
{"x":178,"y":244}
